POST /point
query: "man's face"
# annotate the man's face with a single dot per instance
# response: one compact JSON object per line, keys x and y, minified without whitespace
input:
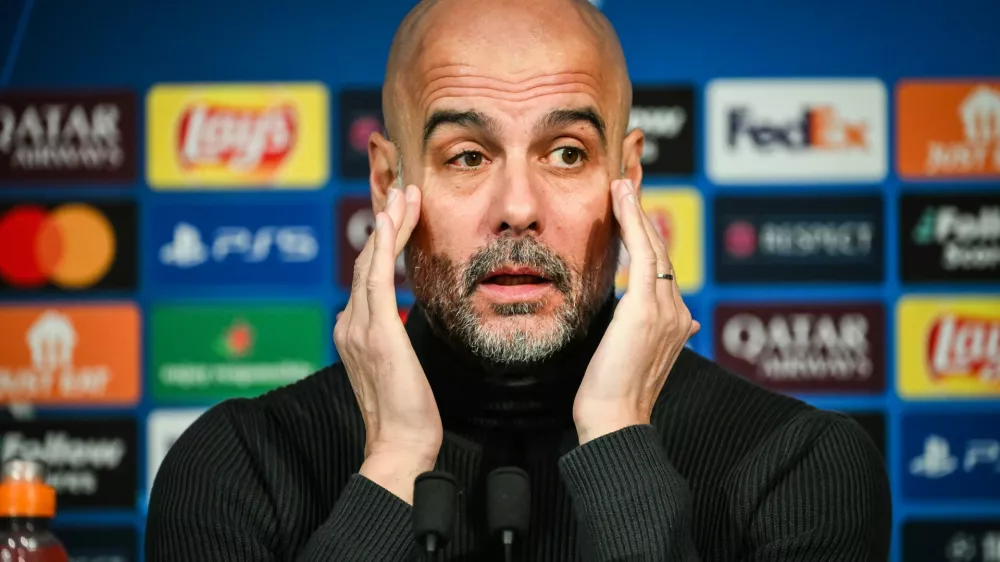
{"x":513,"y":151}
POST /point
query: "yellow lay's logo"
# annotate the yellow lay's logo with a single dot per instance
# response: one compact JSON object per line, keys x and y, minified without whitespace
{"x":948,"y":346}
{"x":238,"y":136}
{"x":677,"y":215}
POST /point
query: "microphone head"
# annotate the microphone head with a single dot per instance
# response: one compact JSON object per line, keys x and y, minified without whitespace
{"x":435,"y":496}
{"x":508,"y":500}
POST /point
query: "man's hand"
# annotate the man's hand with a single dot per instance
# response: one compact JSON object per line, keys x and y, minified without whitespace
{"x":650,"y":327}
{"x":403,"y":430}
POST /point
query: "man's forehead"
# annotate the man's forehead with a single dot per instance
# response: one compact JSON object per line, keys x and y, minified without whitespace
{"x":455,"y":67}
{"x":514,"y":52}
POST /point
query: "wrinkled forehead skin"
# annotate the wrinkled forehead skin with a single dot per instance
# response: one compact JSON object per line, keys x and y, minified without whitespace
{"x":518,"y":49}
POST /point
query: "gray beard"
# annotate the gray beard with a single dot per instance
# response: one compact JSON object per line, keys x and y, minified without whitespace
{"x":445,"y":289}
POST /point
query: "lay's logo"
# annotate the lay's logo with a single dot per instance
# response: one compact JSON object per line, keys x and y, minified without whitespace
{"x":253,"y":140}
{"x":964,"y":347}
{"x":272,"y":136}
{"x":948,"y":347}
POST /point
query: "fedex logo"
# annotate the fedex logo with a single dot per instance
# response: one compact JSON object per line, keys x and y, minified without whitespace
{"x":952,"y":456}
{"x":820,"y":128}
{"x":796,"y":131}
{"x":241,"y":244}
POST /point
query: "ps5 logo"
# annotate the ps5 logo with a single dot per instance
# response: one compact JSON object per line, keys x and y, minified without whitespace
{"x":938,"y":462}
{"x":292,"y":244}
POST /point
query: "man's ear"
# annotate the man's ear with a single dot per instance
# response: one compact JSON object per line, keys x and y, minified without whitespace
{"x":632,"y":146}
{"x":383,"y":160}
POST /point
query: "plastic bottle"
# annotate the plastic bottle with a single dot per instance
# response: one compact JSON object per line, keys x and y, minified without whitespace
{"x":27,"y":505}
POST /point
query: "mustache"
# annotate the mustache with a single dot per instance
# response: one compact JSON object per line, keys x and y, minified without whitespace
{"x":508,"y":251}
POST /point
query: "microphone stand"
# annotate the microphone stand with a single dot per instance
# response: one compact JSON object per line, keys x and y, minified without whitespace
{"x":508,"y":496}
{"x":434,"y":498}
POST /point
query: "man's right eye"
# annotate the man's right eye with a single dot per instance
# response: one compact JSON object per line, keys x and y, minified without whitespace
{"x":468,"y":159}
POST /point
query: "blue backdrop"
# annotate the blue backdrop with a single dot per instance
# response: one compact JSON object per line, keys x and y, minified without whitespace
{"x":64,"y":44}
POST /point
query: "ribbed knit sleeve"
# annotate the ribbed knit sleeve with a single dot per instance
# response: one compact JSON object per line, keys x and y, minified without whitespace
{"x":368,"y":523}
{"x":631,"y":502}
{"x":212,"y":502}
{"x":817,"y":490}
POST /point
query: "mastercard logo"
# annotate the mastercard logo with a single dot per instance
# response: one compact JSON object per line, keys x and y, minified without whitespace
{"x":71,"y":246}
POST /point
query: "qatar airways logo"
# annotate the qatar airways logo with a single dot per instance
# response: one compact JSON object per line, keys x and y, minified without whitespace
{"x":68,"y":136}
{"x":803,"y":348}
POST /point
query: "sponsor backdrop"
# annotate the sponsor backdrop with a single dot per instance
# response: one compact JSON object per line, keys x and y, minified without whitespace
{"x":179,"y":218}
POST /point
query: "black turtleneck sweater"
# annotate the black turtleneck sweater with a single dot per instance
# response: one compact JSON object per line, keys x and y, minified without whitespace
{"x":727,"y":471}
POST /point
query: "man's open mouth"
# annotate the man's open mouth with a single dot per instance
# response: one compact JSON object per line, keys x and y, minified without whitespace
{"x":515,"y":276}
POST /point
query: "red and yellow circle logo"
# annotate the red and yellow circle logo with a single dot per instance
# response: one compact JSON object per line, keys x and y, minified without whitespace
{"x":71,"y":246}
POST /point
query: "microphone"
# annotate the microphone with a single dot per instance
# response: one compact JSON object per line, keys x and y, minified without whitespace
{"x":434,"y":497}
{"x":508,"y":497}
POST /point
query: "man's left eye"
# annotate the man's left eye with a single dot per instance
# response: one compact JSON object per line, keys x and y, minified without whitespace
{"x":567,"y":157}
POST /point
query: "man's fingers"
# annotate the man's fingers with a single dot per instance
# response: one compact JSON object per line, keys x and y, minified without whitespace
{"x":380,"y":286}
{"x":358,"y":302}
{"x":664,"y":287}
{"x":642,"y":259}
{"x":411,"y":204}
{"x":395,"y":205}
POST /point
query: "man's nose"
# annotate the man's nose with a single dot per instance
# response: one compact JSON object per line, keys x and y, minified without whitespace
{"x":517,"y":201}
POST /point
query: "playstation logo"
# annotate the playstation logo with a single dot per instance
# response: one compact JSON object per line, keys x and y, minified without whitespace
{"x":186,"y":249}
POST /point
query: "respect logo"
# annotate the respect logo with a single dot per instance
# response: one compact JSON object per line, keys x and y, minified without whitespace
{"x":948,"y":347}
{"x":69,"y":247}
{"x":240,"y":135}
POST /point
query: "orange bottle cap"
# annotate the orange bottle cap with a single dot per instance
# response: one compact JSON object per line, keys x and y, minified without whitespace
{"x":23,"y":491}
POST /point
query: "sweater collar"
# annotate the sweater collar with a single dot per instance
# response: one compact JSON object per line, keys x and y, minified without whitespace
{"x":469,"y":397}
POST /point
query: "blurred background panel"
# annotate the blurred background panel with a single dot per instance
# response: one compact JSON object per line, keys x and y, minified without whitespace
{"x":183,"y":190}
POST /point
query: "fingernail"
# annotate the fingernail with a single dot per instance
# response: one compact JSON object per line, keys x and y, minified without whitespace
{"x":631,"y":199}
{"x":629,"y":186}
{"x":392,"y":195}
{"x":411,"y":193}
{"x":379,"y":221}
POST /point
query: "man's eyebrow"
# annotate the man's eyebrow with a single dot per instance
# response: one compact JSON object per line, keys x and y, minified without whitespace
{"x":563,"y":117}
{"x":468,"y":119}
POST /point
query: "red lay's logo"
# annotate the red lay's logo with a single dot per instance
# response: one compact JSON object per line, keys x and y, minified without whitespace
{"x":238,"y":138}
{"x":964,"y":347}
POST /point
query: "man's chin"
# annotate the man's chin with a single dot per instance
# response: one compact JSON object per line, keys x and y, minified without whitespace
{"x":515,"y":343}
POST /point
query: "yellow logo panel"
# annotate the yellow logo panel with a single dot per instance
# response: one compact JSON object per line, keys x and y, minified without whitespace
{"x":677,"y":215}
{"x":237,"y":136}
{"x":948,"y":346}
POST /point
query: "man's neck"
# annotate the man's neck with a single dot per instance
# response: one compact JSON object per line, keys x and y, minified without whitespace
{"x":471,"y":396}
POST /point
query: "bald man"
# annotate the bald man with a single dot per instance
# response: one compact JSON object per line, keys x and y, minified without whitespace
{"x":510,"y":181}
